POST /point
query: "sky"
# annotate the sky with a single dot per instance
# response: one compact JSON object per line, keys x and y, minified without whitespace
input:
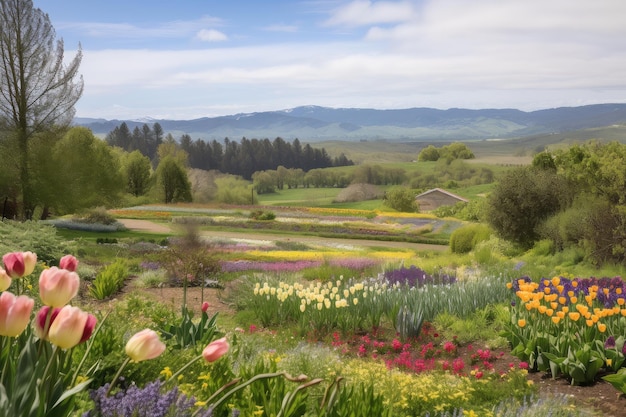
{"x":188,"y":59}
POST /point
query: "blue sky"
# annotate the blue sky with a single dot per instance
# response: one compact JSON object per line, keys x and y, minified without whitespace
{"x":193,"y":58}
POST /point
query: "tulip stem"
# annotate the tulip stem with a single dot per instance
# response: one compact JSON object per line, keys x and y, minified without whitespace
{"x":180,"y":371}
{"x":117,"y":375}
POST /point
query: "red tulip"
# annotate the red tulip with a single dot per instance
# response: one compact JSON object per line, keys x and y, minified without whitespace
{"x":19,"y":264}
{"x":14,"y":313}
{"x":205,"y":307}
{"x":144,"y":345}
{"x":58,"y":286}
{"x":215,"y":350}
{"x":68,"y":262}
{"x":67,"y":328}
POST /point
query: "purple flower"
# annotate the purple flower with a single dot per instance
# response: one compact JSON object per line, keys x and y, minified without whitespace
{"x":610,"y":343}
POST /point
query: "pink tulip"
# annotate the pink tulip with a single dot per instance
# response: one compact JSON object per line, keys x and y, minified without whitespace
{"x":58,"y":286}
{"x":215,"y":350}
{"x":5,"y":280}
{"x":67,"y":328}
{"x":144,"y":345}
{"x":68,"y":262}
{"x":205,"y":307}
{"x":14,"y":313}
{"x":19,"y":264}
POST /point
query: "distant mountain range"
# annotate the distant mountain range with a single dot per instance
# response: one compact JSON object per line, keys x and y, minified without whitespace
{"x":313,"y":123}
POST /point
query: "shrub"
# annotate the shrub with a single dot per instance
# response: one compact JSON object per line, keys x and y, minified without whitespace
{"x":262,"y":215}
{"x":98,"y":215}
{"x":32,"y":236}
{"x":110,"y":280}
{"x":464,"y":239}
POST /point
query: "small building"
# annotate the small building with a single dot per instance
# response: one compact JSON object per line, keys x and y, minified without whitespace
{"x":437,"y":197}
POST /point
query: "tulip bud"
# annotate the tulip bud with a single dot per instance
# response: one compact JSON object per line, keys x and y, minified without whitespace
{"x":67,"y":329}
{"x":205,"y":307}
{"x":19,"y":264}
{"x":215,"y":350}
{"x":14,"y":313}
{"x":5,"y":280}
{"x":58,"y":286}
{"x":68,"y":262}
{"x":144,"y":345}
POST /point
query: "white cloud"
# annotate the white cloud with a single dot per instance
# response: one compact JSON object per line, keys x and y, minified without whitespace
{"x":365,"y":12}
{"x":211,"y":35}
{"x":172,"y":29}
{"x":281,"y":28}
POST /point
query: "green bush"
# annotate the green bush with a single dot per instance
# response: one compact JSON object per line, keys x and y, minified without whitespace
{"x":97,"y":215}
{"x":464,"y":239}
{"x":110,"y":280}
{"x":33,"y":236}
{"x":262,"y":215}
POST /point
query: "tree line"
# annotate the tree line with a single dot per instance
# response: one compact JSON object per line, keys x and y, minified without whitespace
{"x":242,"y":158}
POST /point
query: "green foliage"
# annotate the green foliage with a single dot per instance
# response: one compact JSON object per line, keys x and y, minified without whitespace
{"x":188,"y":333}
{"x":35,"y":237}
{"x":110,"y":280}
{"x":464,"y":239}
{"x":262,"y":215}
{"x":456,"y":150}
{"x":401,"y":199}
{"x":522,"y":200}
{"x":92,"y":175}
{"x":429,"y":153}
{"x":409,"y":323}
{"x":233,"y":190}
{"x":172,"y":181}
{"x":137,"y":170}
{"x":98,"y":215}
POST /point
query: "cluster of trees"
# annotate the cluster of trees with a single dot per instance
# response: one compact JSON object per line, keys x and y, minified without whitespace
{"x":230,"y":157}
{"x":574,"y":197}
{"x":269,"y":181}
{"x":456,"y":150}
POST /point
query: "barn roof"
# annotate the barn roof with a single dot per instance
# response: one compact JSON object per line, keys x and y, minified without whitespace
{"x":440,"y":190}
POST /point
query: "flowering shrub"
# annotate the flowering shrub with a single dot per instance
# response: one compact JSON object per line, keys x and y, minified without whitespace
{"x":572,"y":327}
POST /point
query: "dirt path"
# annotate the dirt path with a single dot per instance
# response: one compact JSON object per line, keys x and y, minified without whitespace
{"x":149,"y":226}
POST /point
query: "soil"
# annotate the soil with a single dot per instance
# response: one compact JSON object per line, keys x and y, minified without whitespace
{"x":601,"y":396}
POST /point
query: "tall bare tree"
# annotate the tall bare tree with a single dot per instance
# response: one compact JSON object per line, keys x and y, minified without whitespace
{"x":38,"y":90}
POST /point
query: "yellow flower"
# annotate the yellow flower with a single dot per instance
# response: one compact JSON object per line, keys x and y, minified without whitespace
{"x":574,"y":316}
{"x":556,"y":319}
{"x":521,"y":323}
{"x":166,"y":372}
{"x":602,"y":327}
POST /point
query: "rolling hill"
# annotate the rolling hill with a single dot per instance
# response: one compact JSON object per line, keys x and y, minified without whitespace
{"x":314,"y":123}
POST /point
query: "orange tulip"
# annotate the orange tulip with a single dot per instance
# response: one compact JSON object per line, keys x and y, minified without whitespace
{"x":521,"y":323}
